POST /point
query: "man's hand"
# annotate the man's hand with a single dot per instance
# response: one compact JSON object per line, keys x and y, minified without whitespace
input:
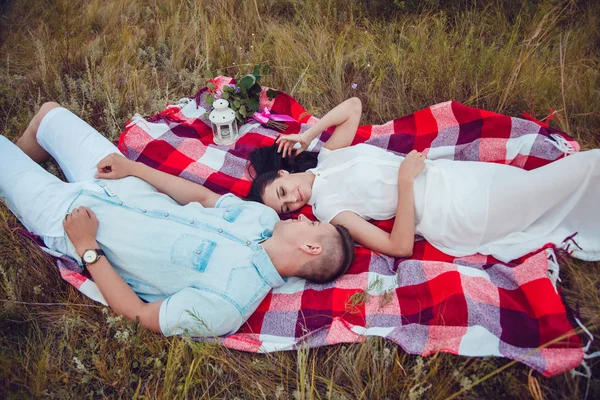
{"x":411,"y":167}
{"x":114,"y":166}
{"x":81,"y":226}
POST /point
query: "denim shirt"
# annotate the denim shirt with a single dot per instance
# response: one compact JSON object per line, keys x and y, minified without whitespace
{"x":207,"y":264}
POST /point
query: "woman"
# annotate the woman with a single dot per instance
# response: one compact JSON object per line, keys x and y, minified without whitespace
{"x":460,"y":207}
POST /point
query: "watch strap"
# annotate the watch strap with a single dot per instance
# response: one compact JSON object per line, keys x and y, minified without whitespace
{"x":99,"y":252}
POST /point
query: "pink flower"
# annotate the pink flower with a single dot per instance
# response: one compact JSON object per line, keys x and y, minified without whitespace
{"x":220,"y":82}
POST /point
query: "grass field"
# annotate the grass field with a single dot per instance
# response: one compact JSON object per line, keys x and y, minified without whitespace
{"x":106,"y":60}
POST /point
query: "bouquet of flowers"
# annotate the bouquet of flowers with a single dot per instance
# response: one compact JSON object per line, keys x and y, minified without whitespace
{"x":244,"y":97}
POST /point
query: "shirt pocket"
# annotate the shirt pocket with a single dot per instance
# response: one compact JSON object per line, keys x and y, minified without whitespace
{"x":192,"y":252}
{"x":231,"y":214}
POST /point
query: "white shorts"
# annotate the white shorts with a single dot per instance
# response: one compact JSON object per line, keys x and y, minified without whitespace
{"x":39,"y":199}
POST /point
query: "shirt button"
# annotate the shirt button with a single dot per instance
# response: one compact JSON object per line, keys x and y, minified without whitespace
{"x":220,"y":230}
{"x":166,"y":214}
{"x":318,"y":174}
{"x":192,"y":221}
{"x":248,"y":242}
{"x":144,"y":211}
{"x":120,"y":203}
{"x":227,"y":210}
{"x":198,"y":251}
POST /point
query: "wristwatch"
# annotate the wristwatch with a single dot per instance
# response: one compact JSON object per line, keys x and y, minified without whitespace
{"x":90,"y":256}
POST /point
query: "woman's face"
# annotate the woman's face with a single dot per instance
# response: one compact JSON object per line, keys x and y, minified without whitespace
{"x":287,"y":193}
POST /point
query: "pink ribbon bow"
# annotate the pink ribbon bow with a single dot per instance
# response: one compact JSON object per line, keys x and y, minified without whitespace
{"x":265,"y":115}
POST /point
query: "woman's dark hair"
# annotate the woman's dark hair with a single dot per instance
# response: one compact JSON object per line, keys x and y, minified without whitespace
{"x":265,"y":162}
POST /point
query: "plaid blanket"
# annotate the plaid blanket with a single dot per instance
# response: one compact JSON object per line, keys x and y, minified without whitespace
{"x":432,"y":302}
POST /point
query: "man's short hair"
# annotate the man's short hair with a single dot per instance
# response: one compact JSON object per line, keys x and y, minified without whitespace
{"x":335,"y":259}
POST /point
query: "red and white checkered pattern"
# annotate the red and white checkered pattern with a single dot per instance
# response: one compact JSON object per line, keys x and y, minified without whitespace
{"x":473,"y":306}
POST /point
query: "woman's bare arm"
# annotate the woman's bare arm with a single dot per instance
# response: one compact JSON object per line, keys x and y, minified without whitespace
{"x":345,"y":117}
{"x":399,"y":242}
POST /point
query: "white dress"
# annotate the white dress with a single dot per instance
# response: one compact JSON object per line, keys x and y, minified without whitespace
{"x":468,"y":207}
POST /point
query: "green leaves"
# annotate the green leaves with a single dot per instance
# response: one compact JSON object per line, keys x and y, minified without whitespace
{"x":210,"y":99}
{"x":247,"y":81}
{"x":252,"y":105}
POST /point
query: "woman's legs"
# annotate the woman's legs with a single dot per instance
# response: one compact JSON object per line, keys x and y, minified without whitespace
{"x":528,"y":209}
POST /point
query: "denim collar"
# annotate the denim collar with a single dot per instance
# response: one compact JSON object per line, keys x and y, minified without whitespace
{"x":266,"y":269}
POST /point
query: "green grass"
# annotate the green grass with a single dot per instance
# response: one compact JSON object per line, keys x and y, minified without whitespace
{"x":107,"y":60}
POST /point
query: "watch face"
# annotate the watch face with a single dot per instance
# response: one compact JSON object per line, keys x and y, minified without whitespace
{"x":90,"y":256}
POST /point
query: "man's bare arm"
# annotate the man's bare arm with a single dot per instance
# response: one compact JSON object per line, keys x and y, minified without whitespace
{"x":81,"y":227}
{"x":115,"y":166}
{"x":179,"y":189}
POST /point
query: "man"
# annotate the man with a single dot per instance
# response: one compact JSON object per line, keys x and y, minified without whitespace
{"x":201,"y":262}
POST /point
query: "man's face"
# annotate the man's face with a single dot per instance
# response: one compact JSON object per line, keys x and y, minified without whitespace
{"x":302,"y":230}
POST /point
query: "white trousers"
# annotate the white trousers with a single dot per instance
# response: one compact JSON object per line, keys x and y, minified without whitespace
{"x":39,"y":199}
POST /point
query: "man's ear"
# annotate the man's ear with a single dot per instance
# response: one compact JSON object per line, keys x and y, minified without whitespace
{"x":282,"y":172}
{"x":311,"y":248}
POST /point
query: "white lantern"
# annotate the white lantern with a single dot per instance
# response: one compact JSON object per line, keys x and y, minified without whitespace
{"x":223,"y":123}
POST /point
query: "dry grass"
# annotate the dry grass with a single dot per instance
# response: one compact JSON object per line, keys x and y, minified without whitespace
{"x":106,"y":60}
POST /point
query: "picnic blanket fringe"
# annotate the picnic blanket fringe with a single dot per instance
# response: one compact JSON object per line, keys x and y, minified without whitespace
{"x":586,"y":356}
{"x":560,"y":143}
{"x":554,"y":275}
{"x":553,"y":268}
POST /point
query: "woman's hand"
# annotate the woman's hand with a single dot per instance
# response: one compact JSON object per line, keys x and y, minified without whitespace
{"x":114,"y":166}
{"x":81,"y":226}
{"x":412,"y":166}
{"x":287,"y":142}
